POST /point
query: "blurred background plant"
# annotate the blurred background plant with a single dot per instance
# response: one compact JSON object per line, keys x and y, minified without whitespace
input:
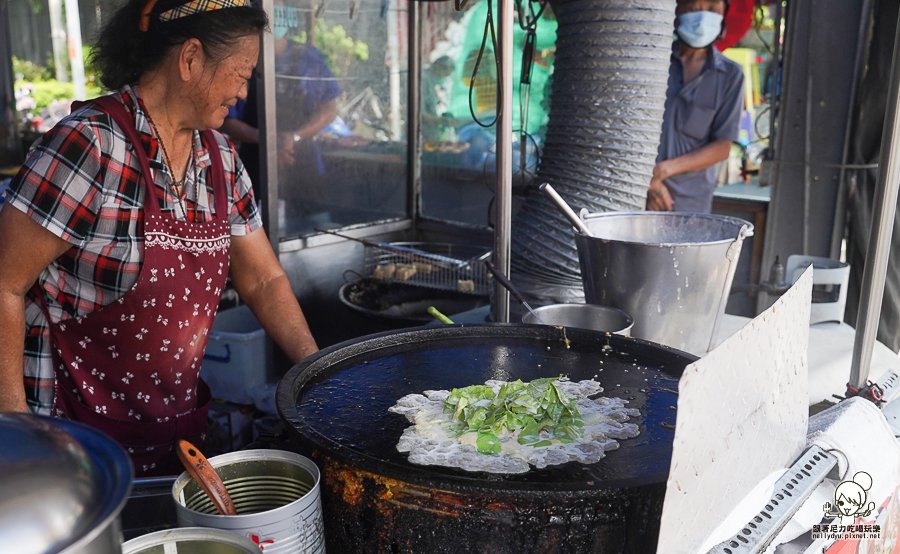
{"x":45,"y":90}
{"x":339,"y":49}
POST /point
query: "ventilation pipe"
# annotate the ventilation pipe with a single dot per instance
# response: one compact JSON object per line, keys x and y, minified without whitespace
{"x":606,"y":111}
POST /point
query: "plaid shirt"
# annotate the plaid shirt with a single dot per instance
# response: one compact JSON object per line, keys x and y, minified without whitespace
{"x":82,"y":183}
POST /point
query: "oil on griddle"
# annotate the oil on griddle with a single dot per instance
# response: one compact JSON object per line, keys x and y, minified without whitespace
{"x":348,"y":404}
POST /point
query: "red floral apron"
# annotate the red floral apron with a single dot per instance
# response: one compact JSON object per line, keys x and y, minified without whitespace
{"x":132,"y":368}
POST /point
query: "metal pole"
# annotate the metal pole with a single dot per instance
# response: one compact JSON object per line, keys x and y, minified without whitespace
{"x":878,"y":250}
{"x":414,"y":111}
{"x":268,"y":134}
{"x":503,"y":219}
{"x":840,"y":211}
{"x":393,"y":36}
{"x":76,"y":56}
{"x":58,"y":39}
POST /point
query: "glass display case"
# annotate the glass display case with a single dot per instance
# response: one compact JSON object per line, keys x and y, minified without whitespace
{"x":340,"y":86}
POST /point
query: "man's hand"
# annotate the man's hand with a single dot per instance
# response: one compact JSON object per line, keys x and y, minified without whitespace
{"x":285,"y":150}
{"x":658,"y":197}
{"x":662,"y":170}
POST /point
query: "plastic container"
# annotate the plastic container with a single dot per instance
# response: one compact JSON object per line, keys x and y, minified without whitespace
{"x":235,"y":361}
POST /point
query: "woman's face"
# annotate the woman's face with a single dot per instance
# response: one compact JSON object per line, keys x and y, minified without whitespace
{"x":224,"y":83}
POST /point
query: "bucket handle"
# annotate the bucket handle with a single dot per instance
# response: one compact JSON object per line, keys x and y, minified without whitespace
{"x":746,"y":231}
{"x":221,"y":359}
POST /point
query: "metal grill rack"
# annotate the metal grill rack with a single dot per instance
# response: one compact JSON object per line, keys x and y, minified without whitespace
{"x":440,"y":266}
{"x":791,"y":491}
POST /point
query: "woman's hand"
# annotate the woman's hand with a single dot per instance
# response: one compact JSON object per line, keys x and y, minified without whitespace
{"x":658,"y":197}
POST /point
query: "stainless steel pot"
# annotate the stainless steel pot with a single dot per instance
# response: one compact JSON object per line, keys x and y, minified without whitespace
{"x":670,"y":271}
{"x":583,"y":316}
{"x":190,"y":540}
{"x":63,"y":485}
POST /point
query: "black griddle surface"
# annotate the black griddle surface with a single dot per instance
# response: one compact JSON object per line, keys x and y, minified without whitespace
{"x":344,"y":408}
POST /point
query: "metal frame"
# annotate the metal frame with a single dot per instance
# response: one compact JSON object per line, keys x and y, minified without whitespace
{"x":503,"y":218}
{"x":879,"y":248}
{"x":269,"y":156}
{"x":814,"y":110}
{"x":414,"y":112}
{"x":268,"y":135}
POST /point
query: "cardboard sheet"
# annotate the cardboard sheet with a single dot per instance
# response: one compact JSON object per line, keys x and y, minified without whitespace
{"x":742,"y":413}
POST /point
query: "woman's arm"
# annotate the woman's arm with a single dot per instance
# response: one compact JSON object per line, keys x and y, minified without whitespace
{"x":261,"y":283}
{"x":26,"y":249}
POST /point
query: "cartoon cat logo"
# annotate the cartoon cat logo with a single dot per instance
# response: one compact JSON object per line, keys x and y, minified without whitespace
{"x":850,"y":499}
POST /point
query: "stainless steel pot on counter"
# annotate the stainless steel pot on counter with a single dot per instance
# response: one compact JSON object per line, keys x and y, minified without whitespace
{"x":670,"y":271}
{"x":583,"y":316}
{"x":62,"y":486}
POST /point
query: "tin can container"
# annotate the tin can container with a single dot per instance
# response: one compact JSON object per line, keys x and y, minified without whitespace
{"x":190,"y":540}
{"x":275,"y":493}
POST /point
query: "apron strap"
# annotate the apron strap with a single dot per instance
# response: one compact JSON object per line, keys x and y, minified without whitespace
{"x":116,"y":110}
{"x":217,"y":175}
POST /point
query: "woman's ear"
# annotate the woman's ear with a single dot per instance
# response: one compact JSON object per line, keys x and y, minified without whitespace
{"x":191,"y":59}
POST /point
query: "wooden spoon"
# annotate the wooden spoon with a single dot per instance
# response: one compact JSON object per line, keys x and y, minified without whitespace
{"x":205,"y":474}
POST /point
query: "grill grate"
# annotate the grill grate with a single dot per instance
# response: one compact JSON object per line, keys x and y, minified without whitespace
{"x":434,"y":265}
{"x":794,"y":487}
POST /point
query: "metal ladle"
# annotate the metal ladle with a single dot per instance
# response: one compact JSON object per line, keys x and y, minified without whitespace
{"x":566,"y":210}
{"x":507,"y":284}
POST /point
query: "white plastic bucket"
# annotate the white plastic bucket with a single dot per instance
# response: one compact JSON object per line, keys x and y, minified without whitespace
{"x":235,"y":359}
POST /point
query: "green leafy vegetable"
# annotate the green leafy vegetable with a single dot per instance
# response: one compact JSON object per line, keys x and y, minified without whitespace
{"x":540,"y":410}
{"x":488,"y":443}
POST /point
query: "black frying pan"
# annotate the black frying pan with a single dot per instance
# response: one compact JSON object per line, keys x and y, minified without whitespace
{"x":337,"y":400}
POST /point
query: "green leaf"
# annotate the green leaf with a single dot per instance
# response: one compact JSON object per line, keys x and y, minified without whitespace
{"x":488,"y":443}
{"x":476,"y":419}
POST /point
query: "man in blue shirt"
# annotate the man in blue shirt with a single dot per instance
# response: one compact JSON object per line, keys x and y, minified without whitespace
{"x":703,"y":111}
{"x":306,"y":103}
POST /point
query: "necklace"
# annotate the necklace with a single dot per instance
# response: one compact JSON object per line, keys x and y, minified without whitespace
{"x":177,"y":186}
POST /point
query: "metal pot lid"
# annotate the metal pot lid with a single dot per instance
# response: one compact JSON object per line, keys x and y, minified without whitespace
{"x":62,"y":483}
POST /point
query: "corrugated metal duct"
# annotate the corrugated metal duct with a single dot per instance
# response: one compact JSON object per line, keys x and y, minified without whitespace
{"x":606,"y":111}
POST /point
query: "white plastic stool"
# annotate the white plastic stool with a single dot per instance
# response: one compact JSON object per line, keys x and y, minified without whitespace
{"x":827,"y":302}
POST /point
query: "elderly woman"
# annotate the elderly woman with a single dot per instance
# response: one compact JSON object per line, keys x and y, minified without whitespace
{"x":121,"y":229}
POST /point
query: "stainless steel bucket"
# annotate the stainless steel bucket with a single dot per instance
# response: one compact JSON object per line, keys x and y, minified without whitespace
{"x":276,"y":495}
{"x":671,"y":271}
{"x":190,"y":540}
{"x":583,"y":316}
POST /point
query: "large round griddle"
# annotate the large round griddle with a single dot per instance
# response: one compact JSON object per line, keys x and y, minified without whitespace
{"x":337,"y":401}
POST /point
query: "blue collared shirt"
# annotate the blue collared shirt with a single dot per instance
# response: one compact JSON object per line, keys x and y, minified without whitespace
{"x":704,"y":110}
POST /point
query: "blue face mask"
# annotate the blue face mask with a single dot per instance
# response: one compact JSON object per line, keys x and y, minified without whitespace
{"x":699,"y":29}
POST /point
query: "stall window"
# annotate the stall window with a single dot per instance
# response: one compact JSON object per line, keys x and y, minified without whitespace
{"x":340,"y":78}
{"x":458,"y":155}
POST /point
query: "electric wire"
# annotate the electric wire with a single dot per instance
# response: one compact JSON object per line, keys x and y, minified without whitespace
{"x":488,"y":27}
